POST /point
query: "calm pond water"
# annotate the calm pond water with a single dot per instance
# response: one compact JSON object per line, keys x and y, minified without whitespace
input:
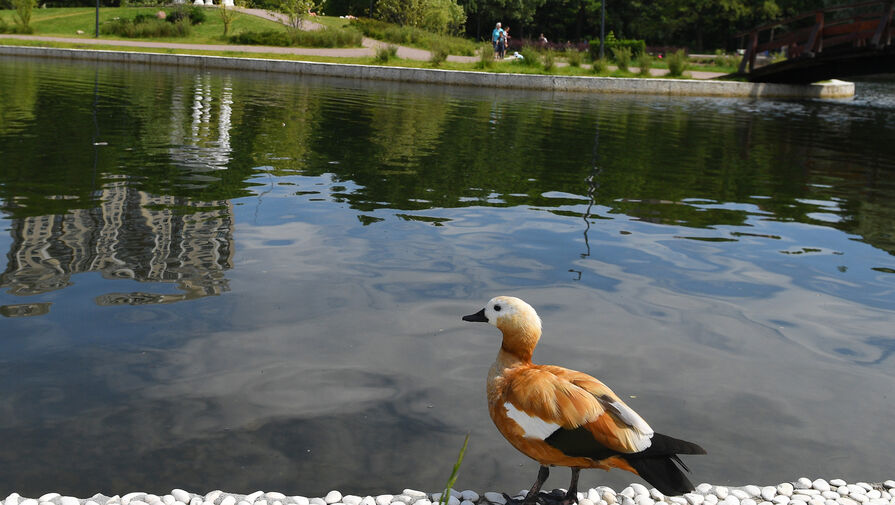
{"x":219,"y":280}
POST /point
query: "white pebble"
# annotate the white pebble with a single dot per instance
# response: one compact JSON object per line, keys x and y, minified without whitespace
{"x":169,"y":500}
{"x":49,"y":497}
{"x":413,"y":493}
{"x":586,"y":501}
{"x":808,"y":492}
{"x":626,"y":500}
{"x":300,"y":500}
{"x":856,"y":489}
{"x":367,"y":500}
{"x":197,"y":500}
{"x":639,"y":488}
{"x":69,"y":500}
{"x":878,"y":501}
{"x":350,"y":499}
{"x":703,"y":488}
{"x":138,"y":502}
{"x":656,"y":495}
{"x":469,"y":494}
{"x":694,"y":498}
{"x":629,"y":492}
{"x":785,"y":489}
{"x":858,"y":497}
{"x":495,"y":497}
{"x":740,"y":494}
{"x":802,"y":483}
{"x":273,"y":495}
{"x":90,"y":502}
{"x":798,"y":499}
{"x":333,"y":497}
{"x":384,"y":499}
{"x":748,"y":501}
{"x":227,"y":500}
{"x":467,"y":502}
{"x":126,"y":499}
{"x":781,"y":499}
{"x":765,"y":503}
{"x":315,"y":501}
{"x":253,"y":496}
{"x":845,"y":500}
{"x":865,"y":485}
{"x":602,"y":502}
{"x":721,"y":492}
{"x":154,"y":498}
{"x":178,"y":494}
{"x":830,"y":495}
{"x":831,"y":502}
{"x":677,"y":500}
{"x":889,"y":484}
{"x":711,"y":499}
{"x":752,"y":490}
{"x":46,"y":503}
{"x":12,"y":499}
{"x":730,"y":500}
{"x":643,"y":499}
{"x":422,"y":501}
{"x":609,"y":498}
{"x":768,"y":492}
{"x":821,"y":485}
{"x":873,"y":494}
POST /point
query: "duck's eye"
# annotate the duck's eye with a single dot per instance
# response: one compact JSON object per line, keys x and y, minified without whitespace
{"x":497,"y":308}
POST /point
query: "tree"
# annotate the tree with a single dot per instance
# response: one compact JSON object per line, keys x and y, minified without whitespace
{"x":227,"y":16}
{"x":297,"y":11}
{"x":440,"y":16}
{"x":23,"y":13}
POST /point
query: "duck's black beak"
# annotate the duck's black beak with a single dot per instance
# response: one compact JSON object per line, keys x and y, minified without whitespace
{"x":478,"y":317}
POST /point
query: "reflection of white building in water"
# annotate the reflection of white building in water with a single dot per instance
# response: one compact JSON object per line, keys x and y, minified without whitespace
{"x":134,"y":234}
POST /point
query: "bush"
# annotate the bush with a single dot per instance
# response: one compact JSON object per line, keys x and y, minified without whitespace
{"x":331,"y":37}
{"x":143,"y":26}
{"x":411,"y":36}
{"x":645,"y":62}
{"x":192,"y":13}
{"x":530,"y":57}
{"x":486,"y":56}
{"x":549,"y":60}
{"x":622,"y":57}
{"x":23,"y":13}
{"x":637,"y":47}
{"x":573,"y":56}
{"x":677,"y":63}
{"x":438,"y":55}
{"x":600,"y":66}
{"x":385,"y":53}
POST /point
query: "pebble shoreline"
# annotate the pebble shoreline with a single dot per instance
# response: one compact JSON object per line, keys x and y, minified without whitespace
{"x":804,"y":491}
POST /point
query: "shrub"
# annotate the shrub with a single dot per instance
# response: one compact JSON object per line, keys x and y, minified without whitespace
{"x":486,"y":56}
{"x":438,"y":55}
{"x":600,"y":66}
{"x":23,"y":13}
{"x":622,"y":57}
{"x":637,"y":47}
{"x":412,"y":36}
{"x":549,"y":60}
{"x":192,"y":13}
{"x":530,"y":57}
{"x":677,"y":63}
{"x":645,"y":62}
{"x":331,"y":37}
{"x":144,"y":26}
{"x":573,"y":56}
{"x":385,"y":53}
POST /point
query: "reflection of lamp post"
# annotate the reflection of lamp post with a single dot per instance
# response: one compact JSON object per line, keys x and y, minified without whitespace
{"x":602,"y":26}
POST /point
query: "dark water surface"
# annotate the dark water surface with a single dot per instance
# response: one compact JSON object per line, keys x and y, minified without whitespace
{"x":220,"y":280}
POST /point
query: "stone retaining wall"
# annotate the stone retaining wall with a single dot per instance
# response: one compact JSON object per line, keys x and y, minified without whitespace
{"x":691,"y":87}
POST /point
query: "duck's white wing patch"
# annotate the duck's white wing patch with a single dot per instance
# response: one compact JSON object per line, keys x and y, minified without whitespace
{"x":632,"y":419}
{"x":534,"y":427}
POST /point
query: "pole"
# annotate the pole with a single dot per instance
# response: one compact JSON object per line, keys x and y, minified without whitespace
{"x":97,"y":19}
{"x":602,"y":26}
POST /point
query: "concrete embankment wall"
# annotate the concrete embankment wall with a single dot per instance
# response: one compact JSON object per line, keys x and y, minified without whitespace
{"x":680,"y":87}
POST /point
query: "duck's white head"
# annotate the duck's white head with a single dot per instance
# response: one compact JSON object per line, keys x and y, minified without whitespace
{"x":517,"y":320}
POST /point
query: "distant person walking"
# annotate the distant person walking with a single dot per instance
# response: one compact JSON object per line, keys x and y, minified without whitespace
{"x":506,"y":41}
{"x":496,"y":37}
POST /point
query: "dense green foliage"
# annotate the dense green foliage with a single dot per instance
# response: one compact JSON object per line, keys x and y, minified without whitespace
{"x":145,"y":26}
{"x":677,"y":63}
{"x":412,"y":36}
{"x":331,"y":37}
{"x":634,"y":47}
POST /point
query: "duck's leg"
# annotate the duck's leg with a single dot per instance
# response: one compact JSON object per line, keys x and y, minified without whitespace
{"x":532,"y":496}
{"x":572,"y":493}
{"x":557,"y":497}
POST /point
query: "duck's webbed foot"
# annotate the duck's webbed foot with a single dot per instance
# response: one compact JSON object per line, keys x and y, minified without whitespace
{"x":555,"y":497}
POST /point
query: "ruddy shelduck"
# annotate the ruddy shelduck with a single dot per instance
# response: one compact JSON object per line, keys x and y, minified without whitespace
{"x":558,"y":416}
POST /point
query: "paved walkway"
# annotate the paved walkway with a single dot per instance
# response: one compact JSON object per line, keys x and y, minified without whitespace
{"x":368,"y":49}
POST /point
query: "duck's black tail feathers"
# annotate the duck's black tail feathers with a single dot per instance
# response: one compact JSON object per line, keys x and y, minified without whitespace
{"x":658,"y":464}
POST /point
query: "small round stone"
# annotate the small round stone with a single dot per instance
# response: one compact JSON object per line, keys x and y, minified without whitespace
{"x":656,"y":495}
{"x":858,"y":497}
{"x":781,"y":499}
{"x":90,"y":502}
{"x":865,"y":485}
{"x":740,"y":494}
{"x":677,"y":500}
{"x":711,"y":499}
{"x":639,"y":488}
{"x":831,"y":502}
{"x":467,"y":502}
{"x":703,"y":488}
{"x":802,"y":483}
{"x":628,"y":492}
{"x":643,"y":499}
{"x":730,"y":500}
{"x":821,"y":485}
{"x":273,"y":495}
{"x":785,"y":489}
{"x":49,"y":497}
{"x":300,"y":500}
{"x":178,"y":494}
{"x":469,"y":494}
{"x":752,"y":490}
{"x":384,"y":499}
{"x":694,"y":498}
{"x":317,"y":501}
{"x":28,"y":501}
{"x":495,"y":497}
{"x":609,"y":498}
{"x":333,"y":497}
{"x":721,"y":492}
{"x":413,"y":493}
{"x":350,"y":499}
{"x":626,"y":500}
{"x":422,"y":501}
{"x":889,"y":484}
{"x":69,"y":500}
{"x":46,"y":503}
{"x":748,"y":501}
{"x":586,"y":501}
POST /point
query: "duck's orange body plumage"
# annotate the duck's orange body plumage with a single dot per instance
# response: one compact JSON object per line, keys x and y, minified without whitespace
{"x":558,"y":416}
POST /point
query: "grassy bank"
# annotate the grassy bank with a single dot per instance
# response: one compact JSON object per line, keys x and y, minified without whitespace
{"x":68,"y":21}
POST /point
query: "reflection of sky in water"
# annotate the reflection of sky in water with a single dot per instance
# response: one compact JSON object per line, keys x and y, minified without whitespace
{"x":337,"y":359}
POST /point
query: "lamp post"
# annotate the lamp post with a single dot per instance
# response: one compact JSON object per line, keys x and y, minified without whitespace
{"x":96,"y":35}
{"x":602,"y":26}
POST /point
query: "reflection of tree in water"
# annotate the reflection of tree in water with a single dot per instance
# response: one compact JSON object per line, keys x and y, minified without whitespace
{"x":131,"y":235}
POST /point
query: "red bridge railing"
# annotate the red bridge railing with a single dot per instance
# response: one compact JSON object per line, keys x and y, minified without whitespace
{"x":862,"y":24}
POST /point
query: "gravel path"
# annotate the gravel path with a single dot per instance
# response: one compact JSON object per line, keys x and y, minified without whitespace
{"x":804,"y":491}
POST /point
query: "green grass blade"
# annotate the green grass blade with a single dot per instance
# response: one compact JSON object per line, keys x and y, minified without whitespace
{"x":446,"y":495}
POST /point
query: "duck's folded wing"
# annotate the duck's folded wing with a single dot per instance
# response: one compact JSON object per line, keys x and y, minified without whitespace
{"x":574,"y":412}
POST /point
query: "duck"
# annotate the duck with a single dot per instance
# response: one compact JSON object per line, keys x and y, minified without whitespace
{"x":562,"y":417}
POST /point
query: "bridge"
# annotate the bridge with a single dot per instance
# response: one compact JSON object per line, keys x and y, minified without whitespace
{"x":833,"y":42}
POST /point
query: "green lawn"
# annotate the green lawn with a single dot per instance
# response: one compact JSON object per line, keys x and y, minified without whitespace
{"x":65,"y":22}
